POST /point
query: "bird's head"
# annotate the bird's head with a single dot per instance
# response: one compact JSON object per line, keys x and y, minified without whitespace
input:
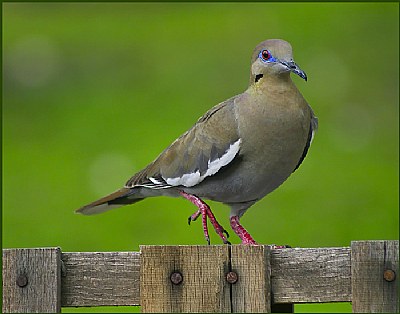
{"x":273,"y":57}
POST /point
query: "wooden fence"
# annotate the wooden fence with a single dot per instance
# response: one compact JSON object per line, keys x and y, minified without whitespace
{"x":209,"y":279}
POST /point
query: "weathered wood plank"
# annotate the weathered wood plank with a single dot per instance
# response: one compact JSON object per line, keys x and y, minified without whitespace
{"x":112,"y":278}
{"x":297,"y":275}
{"x":100,"y":278}
{"x":32,"y":280}
{"x":375,"y":291}
{"x":251,"y":292}
{"x":202,"y":269}
{"x":302,"y":275}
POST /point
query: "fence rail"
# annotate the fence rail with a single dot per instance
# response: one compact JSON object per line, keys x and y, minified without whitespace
{"x":209,"y":279}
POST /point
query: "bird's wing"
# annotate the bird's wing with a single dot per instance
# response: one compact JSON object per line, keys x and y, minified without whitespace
{"x":311,"y":132}
{"x":212,"y":143}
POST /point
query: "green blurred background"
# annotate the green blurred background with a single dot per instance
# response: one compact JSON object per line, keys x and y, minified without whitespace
{"x":94,"y":92}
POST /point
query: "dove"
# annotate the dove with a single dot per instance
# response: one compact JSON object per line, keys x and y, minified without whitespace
{"x":238,"y":152}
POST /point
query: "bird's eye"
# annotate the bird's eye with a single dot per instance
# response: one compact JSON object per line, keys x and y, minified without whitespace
{"x":266,"y":55}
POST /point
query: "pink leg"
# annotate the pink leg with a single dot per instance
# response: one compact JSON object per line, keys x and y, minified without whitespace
{"x":241,"y":232}
{"x":205,"y":212}
{"x":218,"y":228}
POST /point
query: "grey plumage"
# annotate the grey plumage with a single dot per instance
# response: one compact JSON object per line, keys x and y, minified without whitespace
{"x":240,"y":150}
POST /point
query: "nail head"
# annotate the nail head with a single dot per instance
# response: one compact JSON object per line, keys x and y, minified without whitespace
{"x":389,"y":275}
{"x":22,"y":281}
{"x":232,"y":277}
{"x":176,"y":278}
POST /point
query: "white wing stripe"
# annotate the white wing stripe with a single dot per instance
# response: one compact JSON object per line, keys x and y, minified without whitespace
{"x":194,"y":178}
{"x":153,"y":186}
{"x":215,"y":165}
{"x":155,"y":181}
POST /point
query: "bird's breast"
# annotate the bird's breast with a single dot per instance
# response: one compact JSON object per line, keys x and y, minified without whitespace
{"x":273,"y":133}
{"x":273,"y":136}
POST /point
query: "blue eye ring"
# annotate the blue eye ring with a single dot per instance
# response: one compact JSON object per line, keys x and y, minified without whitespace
{"x":266,"y":56}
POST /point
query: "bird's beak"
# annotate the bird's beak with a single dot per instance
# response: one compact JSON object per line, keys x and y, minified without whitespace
{"x":293,"y":67}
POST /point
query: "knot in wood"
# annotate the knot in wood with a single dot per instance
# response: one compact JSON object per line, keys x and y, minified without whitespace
{"x":176,"y":278}
{"x":22,"y":281}
{"x":232,"y":277}
{"x":389,"y":275}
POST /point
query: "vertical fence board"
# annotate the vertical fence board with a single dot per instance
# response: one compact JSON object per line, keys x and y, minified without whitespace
{"x":252,"y":291}
{"x":371,"y":292}
{"x":32,"y":280}
{"x":202,"y":269}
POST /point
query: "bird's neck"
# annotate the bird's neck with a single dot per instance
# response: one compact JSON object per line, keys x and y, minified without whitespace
{"x":274,"y":82}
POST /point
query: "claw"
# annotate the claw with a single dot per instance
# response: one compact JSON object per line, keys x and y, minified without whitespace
{"x":194,"y":216}
{"x":226,"y":233}
{"x":277,"y":247}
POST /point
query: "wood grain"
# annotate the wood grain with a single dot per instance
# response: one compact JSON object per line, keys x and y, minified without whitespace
{"x":100,"y":278}
{"x":31,"y":280}
{"x":267,"y":279}
{"x":251,"y":293}
{"x":203,"y":289}
{"x":371,"y":292}
{"x":306,"y":275}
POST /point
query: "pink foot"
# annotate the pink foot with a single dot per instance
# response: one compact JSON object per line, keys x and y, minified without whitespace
{"x":241,"y":232}
{"x":205,"y":211}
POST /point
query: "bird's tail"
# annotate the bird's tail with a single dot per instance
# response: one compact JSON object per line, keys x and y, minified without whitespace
{"x":119,"y":198}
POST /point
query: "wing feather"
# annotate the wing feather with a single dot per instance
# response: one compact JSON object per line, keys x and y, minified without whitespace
{"x":212,"y":143}
{"x":311,"y":132}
